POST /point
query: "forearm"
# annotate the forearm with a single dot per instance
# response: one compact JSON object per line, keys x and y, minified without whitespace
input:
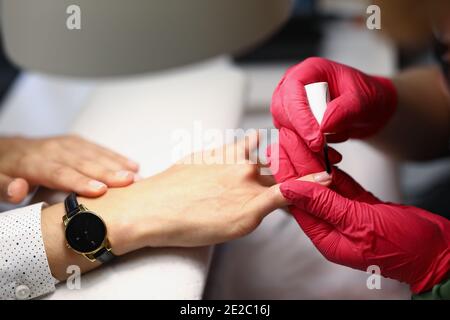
{"x":420,"y":128}
{"x":119,"y":234}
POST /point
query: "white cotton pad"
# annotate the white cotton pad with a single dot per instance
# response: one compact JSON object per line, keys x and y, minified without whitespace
{"x":318,"y":97}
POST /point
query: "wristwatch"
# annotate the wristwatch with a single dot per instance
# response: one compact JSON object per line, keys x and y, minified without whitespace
{"x":86,"y":232}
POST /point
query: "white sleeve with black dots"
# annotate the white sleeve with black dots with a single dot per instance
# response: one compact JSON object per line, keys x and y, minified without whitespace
{"x":24,"y":269}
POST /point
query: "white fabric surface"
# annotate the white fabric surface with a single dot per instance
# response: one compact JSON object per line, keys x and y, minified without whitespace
{"x":135,"y":117}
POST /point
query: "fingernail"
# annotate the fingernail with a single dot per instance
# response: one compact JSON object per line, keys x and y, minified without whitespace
{"x":133,"y":164}
{"x":322,"y":177}
{"x":123,"y":174}
{"x":137,"y":177}
{"x":96,"y":185}
{"x":10,"y":189}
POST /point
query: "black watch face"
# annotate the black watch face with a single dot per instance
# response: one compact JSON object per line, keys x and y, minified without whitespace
{"x":85,"y":232}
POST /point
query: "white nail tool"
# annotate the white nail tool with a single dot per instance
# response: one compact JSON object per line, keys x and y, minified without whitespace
{"x":318,"y":97}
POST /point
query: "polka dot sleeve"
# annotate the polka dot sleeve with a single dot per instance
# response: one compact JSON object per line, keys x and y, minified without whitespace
{"x":24,"y":269}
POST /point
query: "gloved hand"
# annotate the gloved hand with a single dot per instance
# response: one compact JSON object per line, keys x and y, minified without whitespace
{"x":360,"y":104}
{"x":351,"y":227}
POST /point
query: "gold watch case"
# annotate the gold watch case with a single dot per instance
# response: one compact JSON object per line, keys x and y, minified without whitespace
{"x":105,"y":243}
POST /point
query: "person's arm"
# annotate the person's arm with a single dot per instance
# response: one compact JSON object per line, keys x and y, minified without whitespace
{"x":420,"y":127}
{"x":187,"y":205}
{"x":193,"y":204}
{"x":24,"y":270}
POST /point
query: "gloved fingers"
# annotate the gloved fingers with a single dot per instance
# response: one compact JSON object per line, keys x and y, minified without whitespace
{"x":296,"y":106}
{"x":310,"y":70}
{"x":272,"y":198}
{"x":334,"y":156}
{"x":316,"y":229}
{"x":280,"y":117}
{"x":284,"y":170}
{"x":280,"y":164}
{"x":337,"y":137}
{"x":320,"y":201}
{"x":325,"y":237}
{"x":302,"y":158}
{"x":290,"y":107}
{"x":13,"y":190}
{"x":341,"y":114}
{"x":297,"y":160}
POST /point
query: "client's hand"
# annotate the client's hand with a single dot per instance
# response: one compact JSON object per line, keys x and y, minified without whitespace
{"x":66,"y":163}
{"x":192,"y":204}
{"x":217,"y":195}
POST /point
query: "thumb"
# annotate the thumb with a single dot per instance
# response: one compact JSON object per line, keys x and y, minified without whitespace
{"x":341,"y":113}
{"x":12,"y":190}
{"x":319,"y":201}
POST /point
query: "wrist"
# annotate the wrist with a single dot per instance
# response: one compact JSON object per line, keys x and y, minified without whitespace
{"x":120,"y":230}
{"x":440,"y":271}
{"x":129,"y":217}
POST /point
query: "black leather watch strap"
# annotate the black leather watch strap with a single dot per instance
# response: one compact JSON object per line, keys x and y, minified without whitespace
{"x":104,"y":255}
{"x":71,"y":204}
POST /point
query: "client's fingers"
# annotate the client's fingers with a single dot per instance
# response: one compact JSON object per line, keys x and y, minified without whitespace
{"x":322,"y":178}
{"x":266,"y":180}
{"x":13,"y":190}
{"x":245,"y":146}
{"x":126,"y":163}
{"x":65,"y":178}
{"x":108,"y":158}
{"x":96,"y":171}
{"x":252,"y":143}
{"x":236,"y":151}
{"x":272,"y":198}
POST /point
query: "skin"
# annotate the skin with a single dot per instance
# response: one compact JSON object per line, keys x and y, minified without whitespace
{"x":52,"y":163}
{"x":185,"y":206}
{"x":420,"y":128}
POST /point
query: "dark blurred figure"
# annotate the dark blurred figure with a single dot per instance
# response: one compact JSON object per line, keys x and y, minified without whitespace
{"x":8,"y":73}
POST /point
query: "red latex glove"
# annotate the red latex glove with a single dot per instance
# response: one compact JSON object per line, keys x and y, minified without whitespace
{"x":360,"y":104}
{"x":351,"y":227}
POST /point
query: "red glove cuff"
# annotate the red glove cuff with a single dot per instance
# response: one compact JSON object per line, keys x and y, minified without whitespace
{"x":440,"y":273}
{"x":391,"y":97}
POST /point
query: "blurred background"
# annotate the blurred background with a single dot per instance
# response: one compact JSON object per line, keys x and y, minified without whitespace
{"x":277,"y":261}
